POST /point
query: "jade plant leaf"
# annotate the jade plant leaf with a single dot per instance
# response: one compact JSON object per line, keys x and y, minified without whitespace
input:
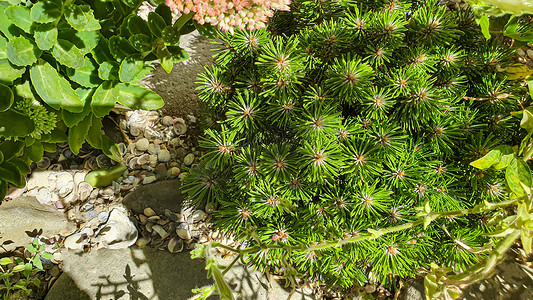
{"x":104,"y":99}
{"x":136,"y":25}
{"x":10,"y":173}
{"x":21,"y":165}
{"x":170,"y":36}
{"x":46,"y":11}
{"x":156,"y":24}
{"x":120,"y":47}
{"x":141,"y":42}
{"x":35,"y":151}
{"x":77,"y":134}
{"x":67,"y":54}
{"x":132,"y":3}
{"x":22,"y":52}
{"x":81,"y":18}
{"x":138,"y":97}
{"x":20,"y":16}
{"x":6,"y":97}
{"x":105,"y":177}
{"x":45,"y":36}
{"x":165,"y":58}
{"x":130,"y":67}
{"x":24,"y":126}
{"x":86,"y":76}
{"x":11,"y":149}
{"x":178,"y":54}
{"x":54,"y":89}
{"x":10,"y":72}
{"x":164,"y":11}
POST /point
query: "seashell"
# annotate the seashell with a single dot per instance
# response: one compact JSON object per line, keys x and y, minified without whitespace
{"x":183,"y":231}
{"x":122,"y":148}
{"x":159,"y":229}
{"x":103,"y":161}
{"x":152,"y":116}
{"x":64,"y":184}
{"x":163,"y":156}
{"x":84,"y":190}
{"x":55,"y":167}
{"x":179,"y":127}
{"x":149,"y":227}
{"x":84,"y":153}
{"x":43,"y":164}
{"x":175,"y":142}
{"x":154,"y":218}
{"x":44,"y":196}
{"x":144,"y":159}
{"x":142,"y":242}
{"x":154,"y":149}
{"x":142,"y":144}
{"x":175,"y":245}
{"x":198,"y":216}
{"x":143,"y":219}
{"x":167,"y":120}
{"x":149,"y":212}
{"x":133,"y":163}
{"x":137,"y":128}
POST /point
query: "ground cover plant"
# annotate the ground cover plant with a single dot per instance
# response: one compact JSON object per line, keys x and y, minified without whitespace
{"x":339,"y":143}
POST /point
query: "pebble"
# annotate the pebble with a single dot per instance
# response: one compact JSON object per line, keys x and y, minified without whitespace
{"x":175,"y":171}
{"x":191,"y":118}
{"x":175,"y":245}
{"x":189,"y":159}
{"x":136,"y":128}
{"x":64,"y":184}
{"x":149,"y":212}
{"x":183,"y":231}
{"x":59,"y":205}
{"x":160,"y":171}
{"x":103,"y":216}
{"x":198,"y":216}
{"x":529,"y":53}
{"x":154,"y":149}
{"x":149,"y":179}
{"x":44,"y":196}
{"x":84,"y":190}
{"x":164,"y":156}
{"x":142,"y":144}
{"x":167,"y":120}
{"x":88,"y":207}
{"x":520,"y":52}
{"x":92,"y":214}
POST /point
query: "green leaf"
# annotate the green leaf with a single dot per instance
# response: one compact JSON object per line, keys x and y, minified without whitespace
{"x":20,"y":16}
{"x":30,"y":248}
{"x":108,"y":70}
{"x":141,"y":42}
{"x":101,"y":52}
{"x":18,"y":268}
{"x":120,"y":47}
{"x":94,"y":136}
{"x":87,"y":76}
{"x":178,"y":54}
{"x":6,"y":97}
{"x":132,"y":3}
{"x":67,"y":54}
{"x":49,"y":147}
{"x":45,"y":36}
{"x":104,"y":177}
{"x":9,"y":72}
{"x":130,"y":67}
{"x":10,"y":173}
{"x":81,"y":18}
{"x":37,"y":261}
{"x":47,"y":255}
{"x":165,"y":58}
{"x":85,"y":41}
{"x":22,"y":52}
{"x":4,"y":261}
{"x":46,"y":11}
{"x":72,"y":119}
{"x":23,"y":167}
{"x":6,"y":26}
{"x":11,"y":149}
{"x":156,"y":24}
{"x":24,"y":126}
{"x":518,"y":177}
{"x":111,"y":149}
{"x":493,"y":157}
{"x":164,"y":11}
{"x":58,"y":135}
{"x":170,"y":36}
{"x":77,"y":134}
{"x":36,"y":151}
{"x":3,"y":46}
{"x":206,"y":30}
{"x":484,"y":24}
{"x":104,"y":99}
{"x":54,"y":89}
{"x":138,"y":97}
{"x":136,"y":25}
{"x":527,"y":119}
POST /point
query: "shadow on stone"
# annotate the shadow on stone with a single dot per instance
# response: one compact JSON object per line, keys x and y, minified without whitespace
{"x":68,"y":289}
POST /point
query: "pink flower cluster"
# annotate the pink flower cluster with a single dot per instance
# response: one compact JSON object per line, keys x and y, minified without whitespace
{"x":226,"y":14}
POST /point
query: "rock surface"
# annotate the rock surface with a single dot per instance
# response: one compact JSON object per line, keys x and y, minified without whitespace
{"x":24,"y":215}
{"x":119,"y":232}
{"x":158,"y":196}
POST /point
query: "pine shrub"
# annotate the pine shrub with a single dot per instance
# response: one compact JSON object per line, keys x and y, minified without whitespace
{"x":344,"y":117}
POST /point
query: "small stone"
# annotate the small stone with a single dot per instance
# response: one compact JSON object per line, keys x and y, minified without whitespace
{"x":103,"y":216}
{"x":175,"y":142}
{"x":198,"y":216}
{"x":92,"y":214}
{"x":136,"y":128}
{"x":44,"y":196}
{"x":119,"y":232}
{"x":529,"y":53}
{"x":183,"y":231}
{"x":189,"y":159}
{"x":149,"y":212}
{"x":175,"y":171}
{"x":179,"y":126}
{"x":202,"y":239}
{"x":142,"y":144}
{"x":64,"y":184}
{"x":210,"y":208}
{"x":160,"y":171}
{"x":54,"y":271}
{"x":163,"y":155}
{"x":167,"y":120}
{"x":154,"y":149}
{"x":149,"y":179}
{"x":88,"y":207}
{"x":84,"y":190}
{"x":142,"y":242}
{"x":59,"y":205}
{"x":74,"y":241}
{"x":175,"y":245}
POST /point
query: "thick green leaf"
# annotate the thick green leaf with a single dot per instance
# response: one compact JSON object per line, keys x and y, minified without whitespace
{"x":6,"y":97}
{"x":104,"y":99}
{"x":527,"y":119}
{"x":130,"y":67}
{"x":67,"y":54}
{"x":165,"y":58}
{"x":187,"y":28}
{"x":86,"y":76}
{"x":9,"y":72}
{"x":22,"y":52}
{"x":164,"y":11}
{"x":77,"y":134}
{"x":108,"y":70}
{"x":4,"y":261}
{"x":141,"y":42}
{"x":1,"y":157}
{"x":132,"y":3}
{"x":6,"y":26}
{"x":21,"y":165}
{"x":484,"y":24}
{"x":136,"y":25}
{"x":85,"y":41}
{"x":54,"y":89}
{"x":72,"y":119}
{"x":493,"y":157}
{"x":58,"y":135}
{"x":10,"y":173}
{"x":170,"y":36}
{"x":49,"y":147}
{"x":94,"y":136}
{"x":45,"y":36}
{"x":3,"y":47}
{"x":11,"y":149}
{"x":24,"y":125}
{"x":156,"y":24}
{"x":20,"y":16}
{"x":138,"y":97}
{"x":178,"y":54}
{"x":518,"y":177}
{"x":206,"y":30}
{"x":105,"y":177}
{"x":36,"y":151}
{"x":81,"y":18}
{"x":120,"y":47}
{"x":46,"y":11}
